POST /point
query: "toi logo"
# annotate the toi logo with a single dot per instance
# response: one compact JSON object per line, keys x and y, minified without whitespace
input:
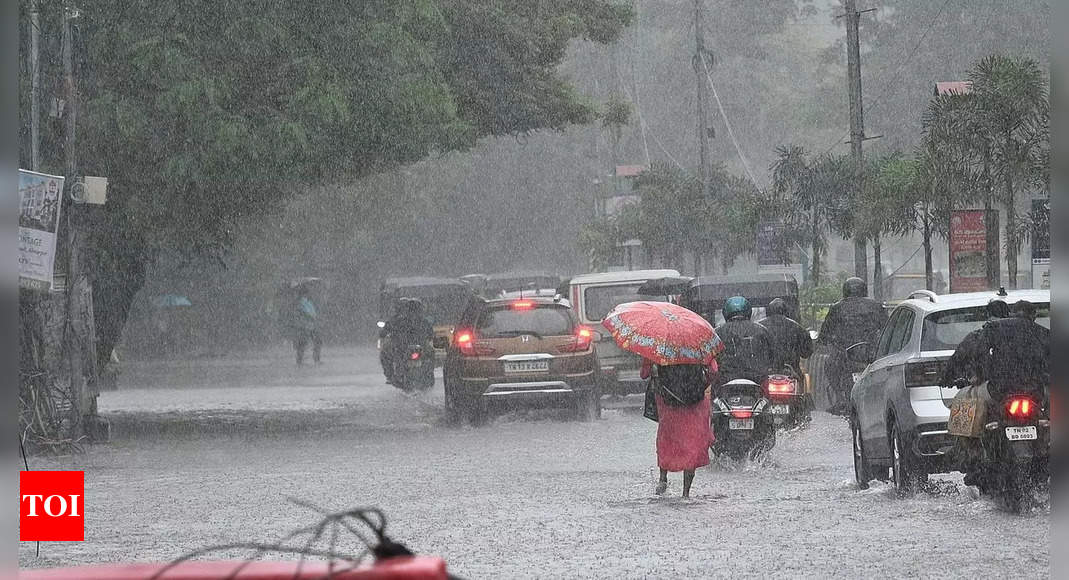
{"x":51,"y":506}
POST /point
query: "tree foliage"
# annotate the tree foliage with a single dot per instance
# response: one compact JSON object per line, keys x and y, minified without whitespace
{"x":205,"y":114}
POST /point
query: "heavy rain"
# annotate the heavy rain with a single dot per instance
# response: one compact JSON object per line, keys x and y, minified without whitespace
{"x":554,"y":289}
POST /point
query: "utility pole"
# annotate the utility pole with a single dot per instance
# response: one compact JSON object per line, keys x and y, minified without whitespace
{"x":699,"y":70}
{"x":857,"y":120}
{"x":35,"y":88}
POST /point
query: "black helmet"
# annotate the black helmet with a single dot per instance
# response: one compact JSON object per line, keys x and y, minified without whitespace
{"x":777,"y":306}
{"x":997,"y":308}
{"x":855,"y":287}
{"x":737,"y":306}
{"x":1025,"y":309}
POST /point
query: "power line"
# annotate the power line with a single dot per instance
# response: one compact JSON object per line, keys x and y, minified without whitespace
{"x":898,"y":70}
{"x":727,"y":123}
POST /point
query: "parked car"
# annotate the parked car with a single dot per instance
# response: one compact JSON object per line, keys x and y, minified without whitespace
{"x":592,"y":297}
{"x":510,"y":352}
{"x":898,"y":411}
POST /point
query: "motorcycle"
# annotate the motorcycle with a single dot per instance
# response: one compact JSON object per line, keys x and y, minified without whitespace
{"x":790,"y":405}
{"x":413,"y":370}
{"x":1014,"y":455}
{"x":743,"y":423}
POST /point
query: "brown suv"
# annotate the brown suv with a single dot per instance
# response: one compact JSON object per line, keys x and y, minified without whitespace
{"x":516,"y":351}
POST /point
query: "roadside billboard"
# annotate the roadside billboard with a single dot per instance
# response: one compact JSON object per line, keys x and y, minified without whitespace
{"x":40,"y":199}
{"x":968,"y":251}
{"x":775,"y":254}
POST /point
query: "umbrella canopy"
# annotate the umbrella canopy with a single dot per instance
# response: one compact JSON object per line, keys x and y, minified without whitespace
{"x":663,"y":333}
{"x":171,"y":301}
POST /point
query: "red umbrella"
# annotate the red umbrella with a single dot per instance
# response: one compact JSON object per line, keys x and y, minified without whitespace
{"x":664,"y":333}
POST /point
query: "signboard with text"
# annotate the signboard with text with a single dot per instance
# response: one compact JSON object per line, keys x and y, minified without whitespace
{"x":40,"y":198}
{"x":968,"y":251}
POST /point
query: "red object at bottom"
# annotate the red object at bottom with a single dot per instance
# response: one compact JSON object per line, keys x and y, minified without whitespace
{"x":400,"y":568}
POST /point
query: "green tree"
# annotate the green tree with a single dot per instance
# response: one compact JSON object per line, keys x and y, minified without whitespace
{"x":1012,"y":111}
{"x":206,"y":114}
{"x":809,"y":194}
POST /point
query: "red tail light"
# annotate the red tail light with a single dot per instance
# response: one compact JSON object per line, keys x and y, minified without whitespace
{"x":1020,"y":407}
{"x":741,"y":413}
{"x":414,"y":355}
{"x":465,"y":341}
{"x":522,"y":305}
{"x":781,"y":386}
{"x":579,"y":342}
{"x":468,"y":345}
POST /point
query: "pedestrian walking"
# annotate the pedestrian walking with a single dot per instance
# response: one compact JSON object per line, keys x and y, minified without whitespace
{"x":684,"y":431}
{"x":306,"y":326}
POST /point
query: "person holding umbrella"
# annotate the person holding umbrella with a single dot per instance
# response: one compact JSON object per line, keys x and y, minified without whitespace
{"x":679,"y":350}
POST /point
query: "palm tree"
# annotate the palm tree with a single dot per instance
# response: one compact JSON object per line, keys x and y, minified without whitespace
{"x":808,"y":193}
{"x":949,"y":170}
{"x":1012,"y":110}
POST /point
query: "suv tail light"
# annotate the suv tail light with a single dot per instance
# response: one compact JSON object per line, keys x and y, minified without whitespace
{"x":468,"y":346}
{"x":579,"y":342}
{"x":523,"y":305}
{"x":780,"y":385}
{"x":414,"y":355}
{"x":924,"y":374}
{"x":1020,"y":407}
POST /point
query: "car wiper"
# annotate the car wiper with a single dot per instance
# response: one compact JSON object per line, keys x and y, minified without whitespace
{"x":520,"y":333}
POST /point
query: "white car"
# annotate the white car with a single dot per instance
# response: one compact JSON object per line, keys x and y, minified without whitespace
{"x":899,"y":412}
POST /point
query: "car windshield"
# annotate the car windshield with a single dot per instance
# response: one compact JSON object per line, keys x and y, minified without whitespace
{"x":945,"y":330}
{"x":538,"y":321}
{"x":598,"y":301}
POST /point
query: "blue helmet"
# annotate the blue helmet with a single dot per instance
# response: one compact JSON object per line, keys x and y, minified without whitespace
{"x":736,"y":307}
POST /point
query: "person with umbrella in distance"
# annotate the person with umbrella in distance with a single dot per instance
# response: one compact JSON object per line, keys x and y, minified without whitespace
{"x":305,"y":321}
{"x":679,"y":350}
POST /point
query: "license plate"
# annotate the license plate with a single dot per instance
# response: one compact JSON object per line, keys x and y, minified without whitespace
{"x":527,"y":366}
{"x":781,"y":409}
{"x":1021,"y":433}
{"x":740,"y":423}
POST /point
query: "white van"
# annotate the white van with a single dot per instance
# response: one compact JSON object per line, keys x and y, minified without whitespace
{"x":593,"y":296}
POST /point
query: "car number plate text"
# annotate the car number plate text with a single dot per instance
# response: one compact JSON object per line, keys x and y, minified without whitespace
{"x":740,"y":423}
{"x":781,"y":409}
{"x":527,"y":366}
{"x":1021,"y":433}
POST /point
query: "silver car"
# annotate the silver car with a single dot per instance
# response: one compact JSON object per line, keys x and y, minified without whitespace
{"x":899,"y":412}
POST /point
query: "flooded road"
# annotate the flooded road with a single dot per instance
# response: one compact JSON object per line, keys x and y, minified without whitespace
{"x":208,"y":452}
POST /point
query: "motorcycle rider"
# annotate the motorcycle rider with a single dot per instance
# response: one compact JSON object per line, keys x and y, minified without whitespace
{"x":1009,"y":353}
{"x":407,"y":326}
{"x":749,"y":348}
{"x":856,"y":319}
{"x":792,"y":342}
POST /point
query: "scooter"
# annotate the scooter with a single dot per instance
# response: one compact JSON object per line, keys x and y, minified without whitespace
{"x":742,"y":418}
{"x":1015,"y":450}
{"x":790,"y":405}
{"x":414,"y":370}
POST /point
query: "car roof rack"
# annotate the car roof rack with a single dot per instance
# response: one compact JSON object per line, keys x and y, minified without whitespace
{"x":931,"y":296}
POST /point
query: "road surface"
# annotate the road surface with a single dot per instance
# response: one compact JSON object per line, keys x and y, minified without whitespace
{"x":209,"y":452}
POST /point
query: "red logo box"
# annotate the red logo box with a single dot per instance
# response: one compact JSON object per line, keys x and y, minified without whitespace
{"x":51,"y":506}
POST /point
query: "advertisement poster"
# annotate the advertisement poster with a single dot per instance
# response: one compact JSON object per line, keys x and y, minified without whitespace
{"x":1041,"y":243}
{"x":774,"y":252}
{"x":39,"y":205}
{"x":968,"y":251}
